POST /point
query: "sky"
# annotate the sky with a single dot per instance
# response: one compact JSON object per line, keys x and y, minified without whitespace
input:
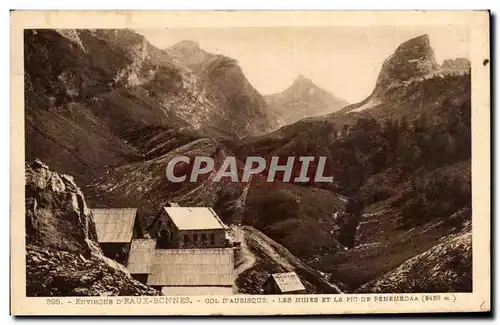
{"x":343,"y":60}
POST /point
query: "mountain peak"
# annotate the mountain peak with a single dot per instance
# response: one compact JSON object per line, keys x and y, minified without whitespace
{"x":302,"y":81}
{"x":184,"y":49}
{"x":412,"y":59}
{"x":301,"y":77}
{"x":422,"y":41}
{"x":186,"y":45}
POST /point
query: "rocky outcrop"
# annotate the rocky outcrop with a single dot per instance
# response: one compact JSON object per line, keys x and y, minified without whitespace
{"x":301,"y":100}
{"x":455,"y":66}
{"x":52,"y":272}
{"x":409,"y":77}
{"x":57,"y":215}
{"x":412,"y":60}
{"x":446,"y":267}
{"x":63,"y":257}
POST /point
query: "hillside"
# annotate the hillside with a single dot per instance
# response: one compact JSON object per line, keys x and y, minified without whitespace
{"x":446,"y":267}
{"x":270,"y":257}
{"x":248,"y":113}
{"x":301,"y":100}
{"x":145,"y":183}
{"x":92,"y":96}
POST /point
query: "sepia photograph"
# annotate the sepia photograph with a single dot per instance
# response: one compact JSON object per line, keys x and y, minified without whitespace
{"x":249,"y":164}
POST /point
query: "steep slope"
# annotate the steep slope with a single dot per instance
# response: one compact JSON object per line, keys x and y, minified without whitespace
{"x":301,"y":100}
{"x":412,"y":60}
{"x":89,"y":93}
{"x":245,"y":110}
{"x":146,"y":185}
{"x":62,"y":255}
{"x":274,"y":258}
{"x":81,"y":108}
{"x":279,"y":210}
{"x":446,"y":267}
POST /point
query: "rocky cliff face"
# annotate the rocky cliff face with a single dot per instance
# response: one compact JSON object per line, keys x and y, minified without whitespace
{"x":412,"y":60}
{"x":63,"y":257}
{"x":412,"y":83}
{"x":301,"y":100}
{"x":57,"y":215}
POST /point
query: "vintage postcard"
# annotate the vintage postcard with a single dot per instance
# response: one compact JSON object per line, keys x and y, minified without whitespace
{"x":250,"y":163}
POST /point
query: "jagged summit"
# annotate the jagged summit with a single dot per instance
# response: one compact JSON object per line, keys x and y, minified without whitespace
{"x":423,"y":43}
{"x":413,"y":59}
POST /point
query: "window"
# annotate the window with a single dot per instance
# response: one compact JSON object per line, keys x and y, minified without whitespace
{"x":195,"y":238}
{"x":203,"y":237}
{"x":186,"y":239}
{"x":212,"y":238}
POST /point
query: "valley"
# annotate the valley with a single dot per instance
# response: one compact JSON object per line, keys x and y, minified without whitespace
{"x":112,"y":110}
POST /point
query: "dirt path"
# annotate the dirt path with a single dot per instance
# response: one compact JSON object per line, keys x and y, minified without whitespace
{"x":342,"y":198}
{"x":249,"y":258}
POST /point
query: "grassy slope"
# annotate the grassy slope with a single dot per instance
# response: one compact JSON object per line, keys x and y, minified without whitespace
{"x":297,"y":217}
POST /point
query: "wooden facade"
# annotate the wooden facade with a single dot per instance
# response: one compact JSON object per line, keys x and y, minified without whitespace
{"x":115,"y":230}
{"x":284,"y":283}
{"x":182,"y":227}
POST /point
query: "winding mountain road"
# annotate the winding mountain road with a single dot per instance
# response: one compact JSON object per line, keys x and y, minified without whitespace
{"x":249,"y":258}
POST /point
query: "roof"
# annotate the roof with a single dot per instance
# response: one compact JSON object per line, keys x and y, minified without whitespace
{"x":114,"y":225}
{"x":192,"y":267}
{"x":288,"y":282}
{"x":194,"y":218}
{"x":198,"y":290}
{"x":142,"y":252}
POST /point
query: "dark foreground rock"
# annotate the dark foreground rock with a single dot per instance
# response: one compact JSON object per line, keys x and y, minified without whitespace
{"x":63,"y":257}
{"x":58,"y":273}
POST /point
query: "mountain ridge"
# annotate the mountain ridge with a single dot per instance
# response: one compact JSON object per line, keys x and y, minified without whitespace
{"x":303,"y":99}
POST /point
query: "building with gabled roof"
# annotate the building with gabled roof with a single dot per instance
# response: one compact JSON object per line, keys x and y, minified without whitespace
{"x":188,"y":227}
{"x":141,"y":258}
{"x":192,"y":271}
{"x":116,"y":227}
{"x":284,"y":283}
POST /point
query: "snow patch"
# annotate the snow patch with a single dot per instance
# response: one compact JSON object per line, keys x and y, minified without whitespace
{"x":369,"y":104}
